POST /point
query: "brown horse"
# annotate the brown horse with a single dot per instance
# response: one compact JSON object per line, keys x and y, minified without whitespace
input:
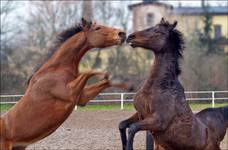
{"x":160,"y":103}
{"x":57,"y":86}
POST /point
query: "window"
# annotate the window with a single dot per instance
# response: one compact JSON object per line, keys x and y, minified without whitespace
{"x":150,"y":19}
{"x":217,"y":29}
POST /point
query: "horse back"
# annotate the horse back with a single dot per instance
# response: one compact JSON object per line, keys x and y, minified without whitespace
{"x":216,"y":119}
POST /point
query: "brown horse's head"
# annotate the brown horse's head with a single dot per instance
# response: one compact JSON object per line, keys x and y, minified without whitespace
{"x":101,"y":36}
{"x":157,"y":37}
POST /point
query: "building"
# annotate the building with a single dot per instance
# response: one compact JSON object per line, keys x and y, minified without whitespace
{"x":190,"y":19}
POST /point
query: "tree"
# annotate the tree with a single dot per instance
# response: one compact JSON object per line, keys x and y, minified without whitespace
{"x":47,"y":19}
{"x":30,"y":45}
{"x":87,"y":11}
{"x":9,"y":76}
{"x":212,"y":44}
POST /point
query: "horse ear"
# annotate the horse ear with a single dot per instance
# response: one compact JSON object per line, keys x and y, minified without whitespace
{"x":174,"y":24}
{"x":86,"y":23}
{"x":94,"y":23}
{"x":162,"y":21}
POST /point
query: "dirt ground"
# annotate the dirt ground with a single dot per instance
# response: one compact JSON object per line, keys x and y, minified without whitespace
{"x":91,"y":130}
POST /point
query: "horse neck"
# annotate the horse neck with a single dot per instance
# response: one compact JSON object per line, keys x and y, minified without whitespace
{"x":70,"y":53}
{"x":164,"y":69}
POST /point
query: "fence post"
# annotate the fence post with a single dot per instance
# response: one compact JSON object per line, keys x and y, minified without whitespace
{"x":76,"y":107}
{"x":213,"y":98}
{"x":122,"y":101}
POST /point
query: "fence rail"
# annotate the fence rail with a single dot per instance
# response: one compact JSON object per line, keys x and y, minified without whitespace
{"x":128,"y":97}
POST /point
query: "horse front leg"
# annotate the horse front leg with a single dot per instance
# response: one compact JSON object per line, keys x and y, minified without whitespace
{"x":91,"y":91}
{"x":5,"y":145}
{"x":76,"y":86}
{"x":124,"y":125}
{"x":120,"y":85}
{"x":19,"y":148}
{"x":141,"y":125}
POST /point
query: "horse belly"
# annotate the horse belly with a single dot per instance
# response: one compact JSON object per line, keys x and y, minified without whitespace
{"x":183,"y":136}
{"x":29,"y":122}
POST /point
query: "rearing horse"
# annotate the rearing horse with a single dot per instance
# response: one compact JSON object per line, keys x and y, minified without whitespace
{"x":160,"y":103}
{"x":57,"y":87}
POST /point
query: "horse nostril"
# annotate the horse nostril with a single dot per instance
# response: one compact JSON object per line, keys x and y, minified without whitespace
{"x":130,"y":37}
{"x":122,"y":34}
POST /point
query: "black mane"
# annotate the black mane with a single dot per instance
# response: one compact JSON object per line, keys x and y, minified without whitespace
{"x":177,"y":38}
{"x":176,"y":44}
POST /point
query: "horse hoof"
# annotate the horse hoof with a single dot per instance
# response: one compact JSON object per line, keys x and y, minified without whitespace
{"x":104,"y":75}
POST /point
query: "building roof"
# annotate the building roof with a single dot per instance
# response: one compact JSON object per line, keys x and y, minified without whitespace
{"x":200,"y":10}
{"x":149,"y":3}
{"x":184,"y":10}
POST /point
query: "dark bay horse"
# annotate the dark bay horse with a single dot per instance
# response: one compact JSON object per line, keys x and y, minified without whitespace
{"x":58,"y":86}
{"x":160,"y":103}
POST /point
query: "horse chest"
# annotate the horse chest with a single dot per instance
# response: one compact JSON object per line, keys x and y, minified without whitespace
{"x":144,"y":104}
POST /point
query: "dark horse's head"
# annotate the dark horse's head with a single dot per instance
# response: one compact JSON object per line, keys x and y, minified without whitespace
{"x":160,"y":38}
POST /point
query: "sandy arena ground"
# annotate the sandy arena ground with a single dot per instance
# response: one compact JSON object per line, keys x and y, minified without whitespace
{"x":92,"y":130}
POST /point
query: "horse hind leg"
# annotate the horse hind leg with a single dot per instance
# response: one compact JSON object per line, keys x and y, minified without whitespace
{"x":212,"y":147}
{"x":123,"y":125}
{"x":5,"y":145}
{"x":19,"y":148}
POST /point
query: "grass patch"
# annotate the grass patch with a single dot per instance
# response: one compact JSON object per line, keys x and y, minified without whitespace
{"x":200,"y":106}
{"x":105,"y":107}
{"x":5,"y":107}
{"x":194,"y":106}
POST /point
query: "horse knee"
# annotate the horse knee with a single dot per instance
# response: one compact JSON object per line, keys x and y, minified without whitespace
{"x":123,"y":125}
{"x":133,"y":129}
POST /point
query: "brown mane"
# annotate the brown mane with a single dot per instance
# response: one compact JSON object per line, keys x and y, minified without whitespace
{"x":57,"y":42}
{"x":63,"y":36}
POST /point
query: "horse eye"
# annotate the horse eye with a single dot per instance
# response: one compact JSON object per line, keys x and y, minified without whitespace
{"x":98,"y":28}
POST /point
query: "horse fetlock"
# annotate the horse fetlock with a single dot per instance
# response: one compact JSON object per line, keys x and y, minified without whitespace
{"x":81,"y":104}
{"x":103,"y":75}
